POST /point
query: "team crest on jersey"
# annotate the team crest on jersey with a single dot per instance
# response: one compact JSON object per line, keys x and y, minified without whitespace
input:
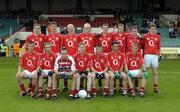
{"x":137,"y":58}
{"x":26,"y":58}
{"x":109,"y":38}
{"x":33,"y":58}
{"x":43,"y":59}
{"x":90,"y":38}
{"x":148,"y":38}
{"x":155,"y":39}
{"x":57,"y":38}
{"x":51,"y":58}
{"x":74,"y":39}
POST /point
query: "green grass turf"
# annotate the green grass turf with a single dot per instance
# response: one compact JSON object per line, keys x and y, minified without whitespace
{"x":167,"y":101}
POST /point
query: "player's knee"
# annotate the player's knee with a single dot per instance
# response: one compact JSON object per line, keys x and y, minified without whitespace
{"x":106,"y":76}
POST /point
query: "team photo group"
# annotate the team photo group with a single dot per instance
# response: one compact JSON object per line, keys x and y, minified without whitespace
{"x":92,"y":62}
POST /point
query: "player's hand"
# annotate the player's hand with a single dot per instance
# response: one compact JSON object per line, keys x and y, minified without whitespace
{"x":18,"y":74}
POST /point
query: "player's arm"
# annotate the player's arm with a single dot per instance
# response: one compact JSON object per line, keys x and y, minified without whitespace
{"x":105,"y":70}
{"x":73,"y":66}
{"x":56,"y":66}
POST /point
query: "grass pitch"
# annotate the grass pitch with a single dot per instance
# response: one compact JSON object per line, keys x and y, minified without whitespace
{"x":167,"y":101}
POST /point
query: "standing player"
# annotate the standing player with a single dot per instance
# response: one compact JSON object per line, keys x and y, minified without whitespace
{"x":134,"y":63}
{"x":71,"y":40}
{"x":47,"y":66}
{"x":99,"y":67}
{"x":64,"y":68}
{"x":134,"y":36}
{"x":30,"y":63}
{"x":88,"y":39}
{"x":105,"y":39}
{"x":120,"y":37}
{"x":116,"y":63}
{"x":82,"y":61}
{"x":55,"y":39}
{"x":37,"y":38}
{"x":152,"y":52}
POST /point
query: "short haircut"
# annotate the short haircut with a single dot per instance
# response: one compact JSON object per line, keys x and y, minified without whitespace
{"x":31,"y":43}
{"x":134,"y":27}
{"x":47,"y":43}
{"x":105,"y":24}
{"x":63,"y":49}
{"x":99,"y":46}
{"x":54,"y":23}
{"x":152,"y":25}
{"x":81,"y":43}
{"x":120,"y":24}
{"x":36,"y":24}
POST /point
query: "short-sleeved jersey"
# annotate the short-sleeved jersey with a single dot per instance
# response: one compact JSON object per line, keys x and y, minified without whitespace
{"x":106,"y":42}
{"x":82,"y":62}
{"x":56,"y":41}
{"x":64,"y":65}
{"x":99,"y":62}
{"x":121,"y":39}
{"x":129,"y":40}
{"x":134,"y":61}
{"x":29,"y":61}
{"x":116,"y":61}
{"x":89,"y":40}
{"x":71,"y":43}
{"x":38,"y":42}
{"x":151,"y":44}
{"x":47,"y":61}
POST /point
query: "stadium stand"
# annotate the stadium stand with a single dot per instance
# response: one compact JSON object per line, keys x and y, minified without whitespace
{"x":6,"y":25}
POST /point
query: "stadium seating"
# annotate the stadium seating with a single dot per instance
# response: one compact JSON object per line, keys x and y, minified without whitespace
{"x":7,"y":23}
{"x":78,"y":22}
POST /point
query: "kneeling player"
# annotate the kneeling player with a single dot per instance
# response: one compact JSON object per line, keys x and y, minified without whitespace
{"x":116,"y":63}
{"x":30,"y":62}
{"x":82,"y":61}
{"x":134,"y":62}
{"x":99,"y":67}
{"x":64,"y":68}
{"x":47,"y":66}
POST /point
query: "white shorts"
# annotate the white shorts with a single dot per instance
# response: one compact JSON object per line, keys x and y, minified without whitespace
{"x":151,"y":60}
{"x":135,"y":73}
{"x":29,"y":74}
{"x":45,"y":73}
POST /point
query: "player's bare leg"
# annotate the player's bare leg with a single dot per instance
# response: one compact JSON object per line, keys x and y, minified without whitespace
{"x":106,"y":84}
{"x":19,"y":78}
{"x":89,"y":85}
{"x":73,"y":83}
{"x":124,"y":83}
{"x":111,"y":86}
{"x":93,"y":77}
{"x":131,"y":87}
{"x":34,"y":82}
{"x":155,"y":79}
{"x":54,"y":84}
{"x":40,"y":83}
{"x":144,"y":77}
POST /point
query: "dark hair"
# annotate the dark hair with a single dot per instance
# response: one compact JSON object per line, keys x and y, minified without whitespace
{"x":105,"y":24}
{"x":31,"y":42}
{"x":54,"y":23}
{"x":152,"y":25}
{"x":36,"y":24}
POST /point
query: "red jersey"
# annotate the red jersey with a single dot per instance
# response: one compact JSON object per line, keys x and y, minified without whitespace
{"x":130,"y":39}
{"x":121,"y":39}
{"x":64,"y":65}
{"x":134,"y":61}
{"x":82,"y":62}
{"x":56,"y":41}
{"x":89,"y":40}
{"x":47,"y":61}
{"x":106,"y":42}
{"x":38,"y":42}
{"x":116,"y":61}
{"x":29,"y":61}
{"x":99,"y":62}
{"x":151,"y":44}
{"x":71,"y":43}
